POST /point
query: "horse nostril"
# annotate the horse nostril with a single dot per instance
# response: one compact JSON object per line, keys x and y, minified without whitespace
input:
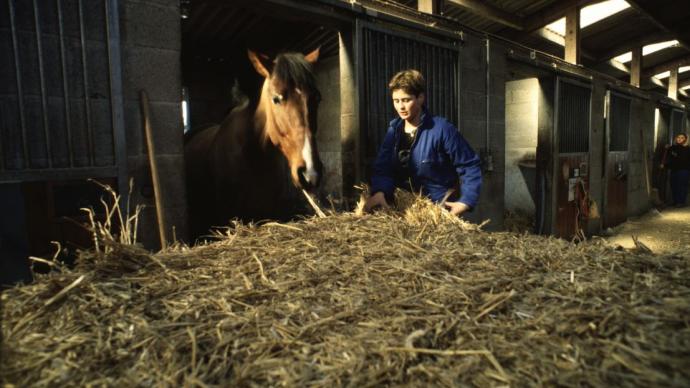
{"x":308,"y":178}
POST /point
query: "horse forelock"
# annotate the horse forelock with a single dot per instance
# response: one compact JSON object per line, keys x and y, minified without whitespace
{"x":294,"y":72}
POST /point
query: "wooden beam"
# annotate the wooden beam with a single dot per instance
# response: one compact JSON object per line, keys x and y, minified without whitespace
{"x":488,"y":11}
{"x":429,"y":6}
{"x":674,"y":64}
{"x":636,"y":66}
{"x":553,"y":13}
{"x":673,"y":84}
{"x":572,"y":36}
{"x":630,"y":44}
{"x":646,"y":8}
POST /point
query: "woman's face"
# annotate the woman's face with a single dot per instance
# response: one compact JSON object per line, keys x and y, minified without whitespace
{"x":408,"y":106}
{"x":680,"y":139}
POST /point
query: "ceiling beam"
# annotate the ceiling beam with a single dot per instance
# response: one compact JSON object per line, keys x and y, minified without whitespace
{"x":644,"y":8}
{"x":552,"y":13}
{"x":631,"y":44}
{"x":489,"y":11}
{"x":670,"y":65}
{"x":429,"y":6}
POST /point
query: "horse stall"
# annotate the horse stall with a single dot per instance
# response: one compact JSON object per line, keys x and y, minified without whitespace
{"x":218,"y":76}
{"x":547,"y":150}
{"x":571,"y":157}
{"x":61,"y":122}
{"x":617,"y":159}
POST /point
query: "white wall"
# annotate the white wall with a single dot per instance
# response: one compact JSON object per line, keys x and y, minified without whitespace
{"x":521,"y":123}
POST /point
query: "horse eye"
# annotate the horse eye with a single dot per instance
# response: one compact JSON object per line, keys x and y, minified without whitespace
{"x":277,"y":99}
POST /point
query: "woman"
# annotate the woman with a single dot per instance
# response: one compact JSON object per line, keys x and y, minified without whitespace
{"x":677,"y":160}
{"x":422,"y":152}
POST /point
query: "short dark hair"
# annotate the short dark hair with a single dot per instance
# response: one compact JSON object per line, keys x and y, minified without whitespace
{"x":410,"y":81}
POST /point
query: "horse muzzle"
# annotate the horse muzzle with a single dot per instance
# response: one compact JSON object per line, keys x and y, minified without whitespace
{"x":308,"y":179}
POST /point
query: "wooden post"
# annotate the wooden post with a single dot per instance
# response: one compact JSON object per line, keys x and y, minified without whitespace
{"x":429,"y":6}
{"x":673,"y":84}
{"x":144,"y":100}
{"x":636,"y":67}
{"x":572,"y":35}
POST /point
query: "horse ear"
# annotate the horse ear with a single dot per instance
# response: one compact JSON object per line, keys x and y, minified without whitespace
{"x":260,"y":63}
{"x":313,"y":56}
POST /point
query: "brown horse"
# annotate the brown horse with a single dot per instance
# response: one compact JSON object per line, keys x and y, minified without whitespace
{"x":250,"y":166}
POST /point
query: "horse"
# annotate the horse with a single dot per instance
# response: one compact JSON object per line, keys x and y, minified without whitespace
{"x":251,"y":165}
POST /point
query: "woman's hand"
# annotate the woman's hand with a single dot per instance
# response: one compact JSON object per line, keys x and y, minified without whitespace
{"x":375,"y":201}
{"x":456,"y":208}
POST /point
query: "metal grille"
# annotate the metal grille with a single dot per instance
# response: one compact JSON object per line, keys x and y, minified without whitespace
{"x":60,"y":89}
{"x":383,"y":55}
{"x":573,"y":117}
{"x":619,"y":122}
{"x":677,"y":122}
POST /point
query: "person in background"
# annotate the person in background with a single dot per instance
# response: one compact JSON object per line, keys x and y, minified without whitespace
{"x":677,"y":160}
{"x":423,"y":153}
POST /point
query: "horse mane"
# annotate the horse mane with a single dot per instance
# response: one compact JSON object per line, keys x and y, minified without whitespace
{"x":293,"y":69}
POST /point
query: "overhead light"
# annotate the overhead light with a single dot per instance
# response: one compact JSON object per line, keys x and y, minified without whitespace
{"x":646,"y":50}
{"x":591,"y":14}
{"x":667,"y":73}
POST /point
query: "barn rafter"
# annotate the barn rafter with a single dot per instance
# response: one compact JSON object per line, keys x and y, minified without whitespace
{"x":643,"y":23}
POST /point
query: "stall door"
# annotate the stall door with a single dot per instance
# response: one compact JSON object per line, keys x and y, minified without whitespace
{"x":571,"y":170}
{"x":384,"y":52}
{"x":61,"y":122}
{"x":617,"y":159}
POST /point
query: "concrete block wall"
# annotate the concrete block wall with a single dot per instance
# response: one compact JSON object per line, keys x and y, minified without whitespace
{"x":521,"y":129}
{"x":151,"y":40}
{"x":473,"y":121}
{"x":328,"y":134}
{"x":349,"y":119}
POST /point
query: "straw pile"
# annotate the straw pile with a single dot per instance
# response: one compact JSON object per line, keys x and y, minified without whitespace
{"x":408,"y":298}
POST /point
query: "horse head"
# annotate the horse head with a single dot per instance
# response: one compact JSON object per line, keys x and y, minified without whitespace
{"x":288,"y":108}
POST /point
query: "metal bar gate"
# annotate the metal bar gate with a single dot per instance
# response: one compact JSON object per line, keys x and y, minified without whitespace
{"x":382,"y":53}
{"x":61,"y":103}
{"x":571,"y":164}
{"x":618,"y":117}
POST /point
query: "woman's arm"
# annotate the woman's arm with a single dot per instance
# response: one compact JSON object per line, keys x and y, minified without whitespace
{"x":466,"y":163}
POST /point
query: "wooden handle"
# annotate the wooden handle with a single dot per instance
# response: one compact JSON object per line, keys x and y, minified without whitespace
{"x":144,"y":99}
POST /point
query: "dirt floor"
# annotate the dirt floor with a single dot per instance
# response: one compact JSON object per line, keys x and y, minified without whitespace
{"x":662,"y":231}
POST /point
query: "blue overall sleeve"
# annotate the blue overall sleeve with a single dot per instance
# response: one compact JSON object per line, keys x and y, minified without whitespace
{"x":382,"y":175}
{"x":466,"y":163}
